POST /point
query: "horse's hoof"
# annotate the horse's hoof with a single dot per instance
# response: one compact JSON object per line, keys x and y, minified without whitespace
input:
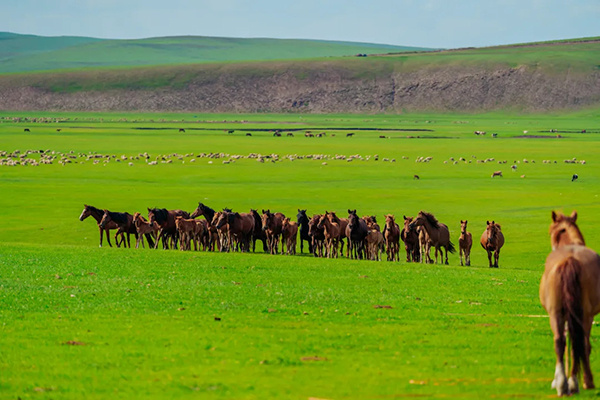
{"x":573,"y":385}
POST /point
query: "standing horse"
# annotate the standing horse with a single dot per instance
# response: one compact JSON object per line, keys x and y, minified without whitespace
{"x":410,"y":237}
{"x":570,"y":293}
{"x":97,"y":214}
{"x":391,"y":233}
{"x":240,"y":228}
{"x":439,"y":235}
{"x":271,"y":225}
{"x":144,"y":228}
{"x":343,"y":222}
{"x":258,"y":233}
{"x":302,"y":220}
{"x":208,"y":212}
{"x":465,"y":241}
{"x":125,"y":223}
{"x":492,"y":241}
{"x":356,"y":232}
{"x":332,"y":232}
{"x":166,"y":221}
{"x":317,"y":235}
{"x":289,"y":232}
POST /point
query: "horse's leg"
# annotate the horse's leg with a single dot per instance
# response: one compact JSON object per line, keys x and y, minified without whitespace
{"x":489,"y":253}
{"x":446,"y":252}
{"x":107,"y":231}
{"x":557,"y":324}
{"x":588,"y":379}
{"x":496,"y":257}
{"x":101,"y":236}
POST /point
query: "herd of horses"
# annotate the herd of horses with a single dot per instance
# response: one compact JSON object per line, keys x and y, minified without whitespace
{"x":325,"y":234}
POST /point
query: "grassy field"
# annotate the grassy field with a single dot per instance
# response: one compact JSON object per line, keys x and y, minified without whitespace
{"x":80,"y":321}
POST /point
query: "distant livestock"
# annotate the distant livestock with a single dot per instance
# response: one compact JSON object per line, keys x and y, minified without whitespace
{"x":574,"y":177}
{"x":497,"y":173}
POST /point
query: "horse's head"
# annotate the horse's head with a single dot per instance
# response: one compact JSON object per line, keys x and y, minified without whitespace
{"x":198,"y":211}
{"x":419,"y":220}
{"x":178,"y":220}
{"x":301,"y":217}
{"x":564,"y":230}
{"x":322,"y":220}
{"x":285,"y":223}
{"x":266,"y":219}
{"x":463,"y":227}
{"x":151,"y":216}
{"x":136,"y":218}
{"x":492,"y":231}
{"x":216,"y":217}
{"x":312,"y":224}
{"x":87,"y":211}
{"x":223,"y":219}
{"x":105,"y":219}
{"x":390,"y":221}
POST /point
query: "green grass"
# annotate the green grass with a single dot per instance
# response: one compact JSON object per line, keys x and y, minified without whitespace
{"x":79,"y":321}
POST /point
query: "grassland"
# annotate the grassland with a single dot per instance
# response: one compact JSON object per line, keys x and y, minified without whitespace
{"x":79,"y":321}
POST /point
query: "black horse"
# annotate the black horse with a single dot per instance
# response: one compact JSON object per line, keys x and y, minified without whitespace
{"x":303,"y":225}
{"x":356,"y":232}
{"x":258,"y":233}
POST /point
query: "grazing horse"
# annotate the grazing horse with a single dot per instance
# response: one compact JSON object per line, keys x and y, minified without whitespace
{"x":317,"y":235}
{"x":570,"y":293}
{"x":492,"y":241}
{"x":302,"y":220}
{"x":143,"y":227}
{"x":166,"y":221}
{"x":465,"y":241}
{"x":289,"y":233}
{"x":97,"y":214}
{"x":410,"y":237}
{"x":356,"y":232}
{"x":391,"y":233}
{"x":332,"y":233}
{"x":124,"y":221}
{"x":258,"y":233}
{"x":438,"y":233}
{"x":271,"y":225}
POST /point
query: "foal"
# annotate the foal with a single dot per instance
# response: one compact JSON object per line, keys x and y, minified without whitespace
{"x":465,"y":241}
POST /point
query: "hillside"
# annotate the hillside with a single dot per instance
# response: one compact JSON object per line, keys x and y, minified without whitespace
{"x":526,"y":77}
{"x":23,"y":53}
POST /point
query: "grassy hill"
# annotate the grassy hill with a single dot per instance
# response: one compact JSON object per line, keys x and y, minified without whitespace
{"x":20,"y":53}
{"x":537,"y":77}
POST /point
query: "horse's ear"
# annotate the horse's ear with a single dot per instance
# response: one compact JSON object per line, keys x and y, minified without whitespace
{"x":487,"y":222}
{"x":148,"y":209}
{"x":554,"y":216}
{"x":349,"y":212}
{"x":493,"y":222}
{"x":574,"y":216}
{"x":405,"y":217}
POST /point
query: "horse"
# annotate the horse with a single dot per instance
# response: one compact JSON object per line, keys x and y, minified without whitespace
{"x":289,"y":233}
{"x":410,"y":237}
{"x":356,"y":232}
{"x":302,"y":220}
{"x":371,"y":221}
{"x":144,"y":228}
{"x":374,"y":242}
{"x":190,"y":231}
{"x":343,"y":222}
{"x":125,"y":223}
{"x":570,"y":293}
{"x":240,"y":228}
{"x":497,"y":173}
{"x":97,"y":214}
{"x":492,"y":241}
{"x":391,"y":233}
{"x":202,"y":209}
{"x":332,"y":232}
{"x":271,"y":225}
{"x":166,"y":221}
{"x":465,"y":241}
{"x":438,"y":233}
{"x":317,"y":235}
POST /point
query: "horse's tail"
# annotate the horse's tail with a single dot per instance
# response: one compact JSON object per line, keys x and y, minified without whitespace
{"x":451,"y":247}
{"x":572,"y":302}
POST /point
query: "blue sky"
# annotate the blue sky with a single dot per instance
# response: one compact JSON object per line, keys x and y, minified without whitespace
{"x":425,"y":23}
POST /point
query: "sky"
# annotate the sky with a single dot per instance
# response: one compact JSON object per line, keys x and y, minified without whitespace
{"x":421,"y":23}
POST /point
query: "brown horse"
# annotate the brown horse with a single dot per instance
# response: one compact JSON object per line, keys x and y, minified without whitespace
{"x":166,"y":221}
{"x":332,"y":231}
{"x":144,"y":227}
{"x":570,"y":293}
{"x":125,"y":223}
{"x":97,"y":214}
{"x":258,"y":233}
{"x":239,"y":228}
{"x":410,"y":237}
{"x":289,"y":233}
{"x":374,"y":243}
{"x":439,"y":235}
{"x":190,"y":231}
{"x":391,"y":233}
{"x":492,"y":241}
{"x":317,"y":235}
{"x":356,"y":232}
{"x":343,"y":222}
{"x":465,"y":241}
{"x":271,"y":225}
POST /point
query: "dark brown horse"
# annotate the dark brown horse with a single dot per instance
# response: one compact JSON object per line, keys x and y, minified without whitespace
{"x":97,"y":214}
{"x":391,"y":233}
{"x":317,"y":235}
{"x":289,"y":233}
{"x":332,"y":231}
{"x":465,"y":241}
{"x":356,"y":232}
{"x":410,"y":237}
{"x":303,"y":220}
{"x":272,"y":224}
{"x":570,"y":293}
{"x":439,"y":235}
{"x":492,"y":241}
{"x":258,"y":233}
{"x":240,"y":228}
{"x":123,"y":220}
{"x":166,"y":221}
{"x":202,"y":209}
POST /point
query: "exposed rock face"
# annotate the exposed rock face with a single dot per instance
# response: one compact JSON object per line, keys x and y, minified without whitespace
{"x":319,"y":88}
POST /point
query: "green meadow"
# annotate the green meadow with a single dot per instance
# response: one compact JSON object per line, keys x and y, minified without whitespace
{"x":79,"y":321}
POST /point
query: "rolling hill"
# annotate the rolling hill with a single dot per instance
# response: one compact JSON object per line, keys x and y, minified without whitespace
{"x":22,"y":53}
{"x":536,"y":77}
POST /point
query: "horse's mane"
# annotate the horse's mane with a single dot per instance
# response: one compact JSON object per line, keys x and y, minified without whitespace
{"x":94,"y":209}
{"x":160,"y":214}
{"x":431,"y":219}
{"x":334,"y":217}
